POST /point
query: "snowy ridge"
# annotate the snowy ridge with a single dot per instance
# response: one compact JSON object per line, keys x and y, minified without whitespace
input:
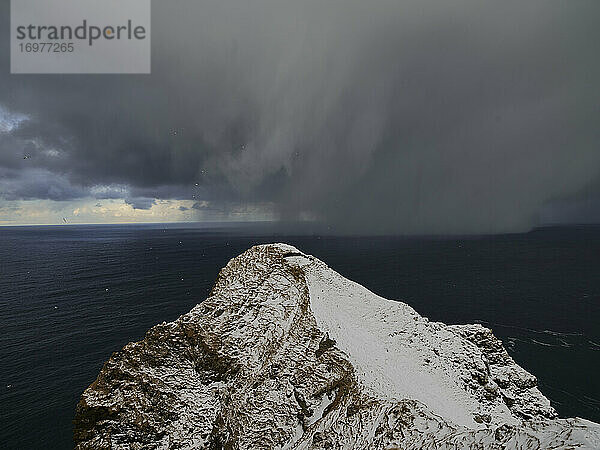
{"x":286,"y":353}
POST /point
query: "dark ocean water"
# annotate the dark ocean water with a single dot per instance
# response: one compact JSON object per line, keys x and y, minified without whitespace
{"x":71,"y":295}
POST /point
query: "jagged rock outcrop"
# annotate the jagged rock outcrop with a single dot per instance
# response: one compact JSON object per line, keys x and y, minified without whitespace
{"x":288,"y":354}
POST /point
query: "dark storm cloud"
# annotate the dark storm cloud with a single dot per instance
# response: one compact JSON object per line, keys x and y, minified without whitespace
{"x":385,"y":116}
{"x":34,"y":184}
{"x":140,"y":203}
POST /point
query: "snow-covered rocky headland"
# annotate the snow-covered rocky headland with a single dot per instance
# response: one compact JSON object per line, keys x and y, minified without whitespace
{"x":286,"y":353}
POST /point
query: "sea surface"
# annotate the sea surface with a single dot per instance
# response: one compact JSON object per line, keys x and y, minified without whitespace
{"x":71,"y":295}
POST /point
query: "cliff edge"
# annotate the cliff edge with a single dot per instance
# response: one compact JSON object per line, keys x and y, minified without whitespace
{"x":286,"y":353}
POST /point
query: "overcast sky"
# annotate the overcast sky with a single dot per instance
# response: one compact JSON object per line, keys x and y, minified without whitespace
{"x":386,"y":116}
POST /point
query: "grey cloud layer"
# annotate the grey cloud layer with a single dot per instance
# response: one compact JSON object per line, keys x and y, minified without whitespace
{"x":383,"y":116}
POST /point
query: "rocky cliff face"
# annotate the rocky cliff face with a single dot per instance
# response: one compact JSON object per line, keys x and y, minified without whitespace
{"x":288,"y":354}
